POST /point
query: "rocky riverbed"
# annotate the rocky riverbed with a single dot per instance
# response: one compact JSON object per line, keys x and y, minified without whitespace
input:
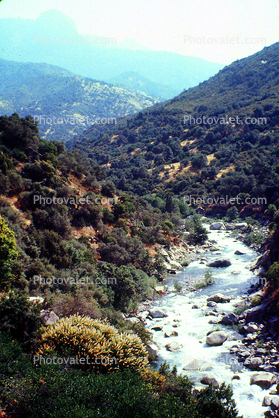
{"x":207,"y":332}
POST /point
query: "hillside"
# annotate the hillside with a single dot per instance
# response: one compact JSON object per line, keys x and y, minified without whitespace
{"x":50,"y":93}
{"x":178,"y":146}
{"x":53,"y":38}
{"x":134,"y":81}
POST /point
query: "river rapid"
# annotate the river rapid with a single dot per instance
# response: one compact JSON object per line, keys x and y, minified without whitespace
{"x":192,"y":325}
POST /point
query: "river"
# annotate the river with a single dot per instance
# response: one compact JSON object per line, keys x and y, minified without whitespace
{"x":192,"y":325}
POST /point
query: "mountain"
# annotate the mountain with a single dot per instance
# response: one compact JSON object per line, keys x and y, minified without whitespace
{"x":135,"y":81}
{"x":53,"y":38}
{"x":190,"y":146}
{"x":50,"y":93}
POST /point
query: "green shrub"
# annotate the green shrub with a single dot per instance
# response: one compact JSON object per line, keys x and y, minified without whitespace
{"x":8,"y":254}
{"x":20,"y":318}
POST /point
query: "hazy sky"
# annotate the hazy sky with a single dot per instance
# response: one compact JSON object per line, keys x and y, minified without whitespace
{"x":217,"y":30}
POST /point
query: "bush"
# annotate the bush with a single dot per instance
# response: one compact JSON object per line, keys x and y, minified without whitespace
{"x":8,"y":254}
{"x":273,"y":275}
{"x":92,"y":338}
{"x":20,"y":318}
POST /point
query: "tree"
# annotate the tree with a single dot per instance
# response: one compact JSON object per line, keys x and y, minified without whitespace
{"x":8,"y":254}
{"x":232,"y":213}
{"x":170,"y":207}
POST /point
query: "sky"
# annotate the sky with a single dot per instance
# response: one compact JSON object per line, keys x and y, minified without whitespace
{"x":217,"y":30}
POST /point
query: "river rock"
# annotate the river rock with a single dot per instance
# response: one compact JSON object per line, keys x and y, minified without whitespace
{"x":253,"y":314}
{"x":229,"y":319}
{"x":48,"y":317}
{"x":217,"y":226}
{"x":157,"y":313}
{"x":275,"y":402}
{"x":213,"y":321}
{"x":218,"y":298}
{"x":266,"y":401}
{"x":236,"y":377}
{"x":216,"y":338}
{"x":152,"y":350}
{"x":195,"y":307}
{"x":237,"y":252}
{"x":174,"y":346}
{"x":211,"y":304}
{"x":207,"y":380}
{"x":251,"y":328}
{"x":133,"y":320}
{"x":157,"y":328}
{"x":219,"y":263}
{"x":197,"y":365}
{"x":170,"y":334}
{"x":263,"y":379}
{"x":240,"y":225}
{"x":253,"y":363}
{"x":211,"y":313}
{"x":161,"y":290}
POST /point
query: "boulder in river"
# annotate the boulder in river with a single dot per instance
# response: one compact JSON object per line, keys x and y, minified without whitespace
{"x":157,"y":313}
{"x":162,"y":290}
{"x":157,"y":328}
{"x":229,"y":319}
{"x":170,"y":334}
{"x":152,"y":350}
{"x":216,"y":338}
{"x":275,"y":403}
{"x":263,"y":379}
{"x":207,"y":380}
{"x":253,"y":363}
{"x":211,"y":304}
{"x":174,"y":346}
{"x":240,"y":225}
{"x":218,"y":298}
{"x":237,"y":252}
{"x":197,"y":365}
{"x":219,"y":263}
{"x":217,"y":226}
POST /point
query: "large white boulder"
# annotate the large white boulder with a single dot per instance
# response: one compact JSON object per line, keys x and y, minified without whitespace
{"x":216,"y":338}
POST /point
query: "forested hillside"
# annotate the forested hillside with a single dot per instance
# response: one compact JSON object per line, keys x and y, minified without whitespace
{"x":63,"y":103}
{"x":81,"y":248}
{"x":190,"y":146}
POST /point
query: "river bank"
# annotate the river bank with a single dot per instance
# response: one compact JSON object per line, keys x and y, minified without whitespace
{"x":189,"y":328}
